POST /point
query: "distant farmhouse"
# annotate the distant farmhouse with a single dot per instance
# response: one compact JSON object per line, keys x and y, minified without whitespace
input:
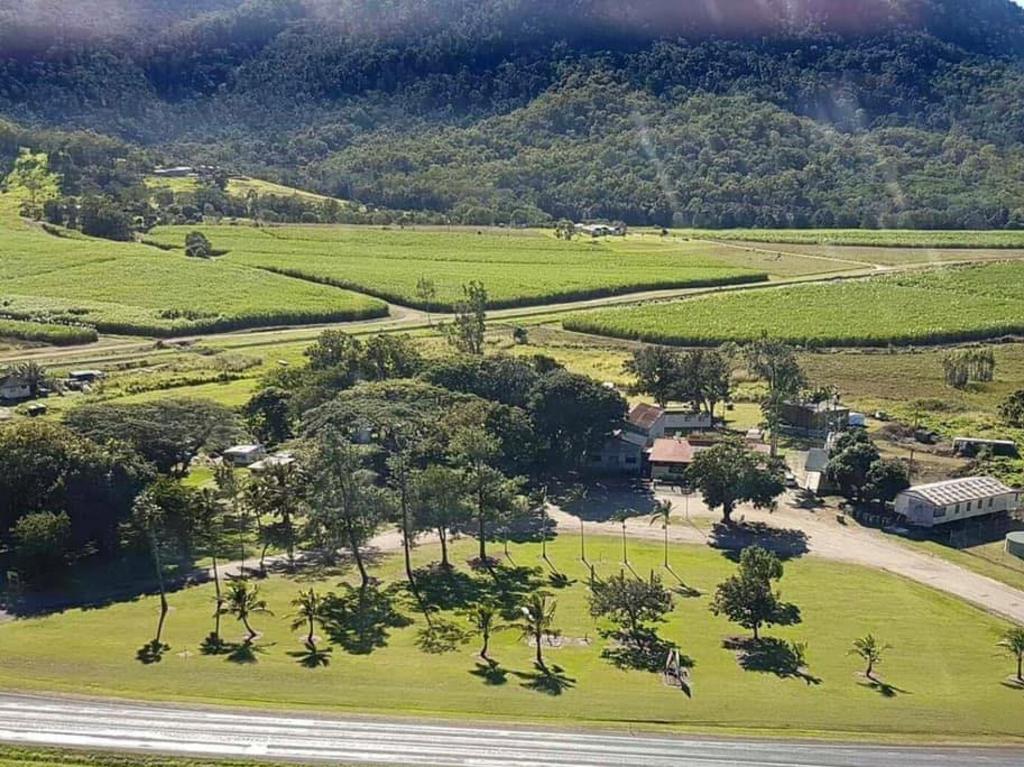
{"x":655,"y":442}
{"x":601,"y":230}
{"x":940,"y":503}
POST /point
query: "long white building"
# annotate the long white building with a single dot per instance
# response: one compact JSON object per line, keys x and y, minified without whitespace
{"x":942,"y":502}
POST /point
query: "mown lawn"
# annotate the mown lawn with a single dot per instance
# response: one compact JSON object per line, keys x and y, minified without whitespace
{"x":518,"y":267}
{"x":946,"y":677}
{"x":930,"y":307}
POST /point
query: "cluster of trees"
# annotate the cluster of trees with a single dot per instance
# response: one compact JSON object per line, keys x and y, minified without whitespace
{"x":701,"y":378}
{"x":961,"y":367}
{"x":657,"y":116}
{"x":859,"y":472}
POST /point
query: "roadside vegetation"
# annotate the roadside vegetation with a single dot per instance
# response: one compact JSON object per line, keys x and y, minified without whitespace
{"x":24,"y":756}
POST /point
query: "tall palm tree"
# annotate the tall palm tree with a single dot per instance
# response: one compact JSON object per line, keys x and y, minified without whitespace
{"x":663,"y":514}
{"x":35,"y":376}
{"x":538,"y":622}
{"x":243,"y":600}
{"x":871,"y":651}
{"x":622,"y":516}
{"x":1013,"y":643}
{"x":147,"y":516}
{"x":309,"y":611}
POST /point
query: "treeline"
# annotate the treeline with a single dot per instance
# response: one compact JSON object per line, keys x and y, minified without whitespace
{"x":524,"y":112}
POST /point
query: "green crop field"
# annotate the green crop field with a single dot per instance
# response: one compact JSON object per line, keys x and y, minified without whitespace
{"x":17,"y":756}
{"x":894,"y":238}
{"x":131,"y":288}
{"x":945,"y":672}
{"x":519,"y":268}
{"x":925,"y":307}
{"x":45,"y":332}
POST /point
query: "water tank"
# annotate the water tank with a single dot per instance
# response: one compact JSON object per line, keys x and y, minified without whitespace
{"x":1015,"y":544}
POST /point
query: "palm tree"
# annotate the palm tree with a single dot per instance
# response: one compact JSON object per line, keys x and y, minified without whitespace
{"x":1013,"y":643}
{"x":663,"y":513}
{"x":35,"y":376}
{"x":537,"y":622}
{"x":483,"y":620}
{"x":622,"y":516}
{"x":147,"y":516}
{"x":243,"y":601}
{"x":309,"y":611}
{"x":870,"y":650}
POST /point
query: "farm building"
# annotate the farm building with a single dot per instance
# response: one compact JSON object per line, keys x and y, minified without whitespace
{"x":815,"y":418}
{"x":943,"y":502}
{"x":14,"y":388}
{"x":245,"y":455}
{"x":970,"y":447}
{"x":601,"y":230}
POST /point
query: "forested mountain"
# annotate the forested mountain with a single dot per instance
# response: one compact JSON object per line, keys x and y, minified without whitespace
{"x":715,"y":113}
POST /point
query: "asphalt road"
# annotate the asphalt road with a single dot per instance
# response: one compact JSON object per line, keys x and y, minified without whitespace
{"x":32,"y":720}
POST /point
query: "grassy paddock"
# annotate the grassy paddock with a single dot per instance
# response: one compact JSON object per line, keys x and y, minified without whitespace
{"x":519,"y":268}
{"x":942,"y":306}
{"x":893,"y":238}
{"x":946,"y":677}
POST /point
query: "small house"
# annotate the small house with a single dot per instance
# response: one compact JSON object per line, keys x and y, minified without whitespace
{"x":622,"y":454}
{"x":647,"y":420}
{"x":670,"y":458}
{"x":814,"y":419}
{"x":244,"y":455}
{"x":14,"y":388}
{"x":940,"y":503}
{"x":685,"y":419}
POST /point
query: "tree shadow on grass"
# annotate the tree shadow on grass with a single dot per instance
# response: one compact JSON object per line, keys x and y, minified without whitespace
{"x":771,"y":656}
{"x":360,"y":620}
{"x":312,"y":657}
{"x":1014,"y":684}
{"x":732,"y":539}
{"x":491,"y":673}
{"x":151,"y":652}
{"x":440,"y":636}
{"x":245,"y":653}
{"x":642,"y":651}
{"x":551,"y":680}
{"x":445,"y":588}
{"x":884,"y":689}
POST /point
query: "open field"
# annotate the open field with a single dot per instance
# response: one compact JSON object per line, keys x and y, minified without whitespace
{"x":944,"y":671}
{"x":892,"y":256}
{"x":518,"y":268}
{"x":928,"y":307}
{"x":891,"y":238}
{"x":130,"y":288}
{"x":238,"y":186}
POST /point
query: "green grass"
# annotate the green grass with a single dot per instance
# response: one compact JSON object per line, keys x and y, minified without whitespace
{"x":519,"y":268}
{"x":239,"y":186}
{"x":15,"y":756}
{"x":898,"y":238}
{"x":944,"y":658}
{"x":886,"y":256}
{"x":134,"y":289}
{"x":927,"y":307}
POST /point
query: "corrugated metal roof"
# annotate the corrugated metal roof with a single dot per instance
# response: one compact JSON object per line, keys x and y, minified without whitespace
{"x":672,"y":451}
{"x":959,"y":490}
{"x":645,"y":416}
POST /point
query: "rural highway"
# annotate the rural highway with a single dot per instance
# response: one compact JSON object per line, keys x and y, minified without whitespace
{"x":37,"y":721}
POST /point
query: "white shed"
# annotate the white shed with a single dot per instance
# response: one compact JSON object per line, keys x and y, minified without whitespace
{"x":942,"y":502}
{"x":245,"y":455}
